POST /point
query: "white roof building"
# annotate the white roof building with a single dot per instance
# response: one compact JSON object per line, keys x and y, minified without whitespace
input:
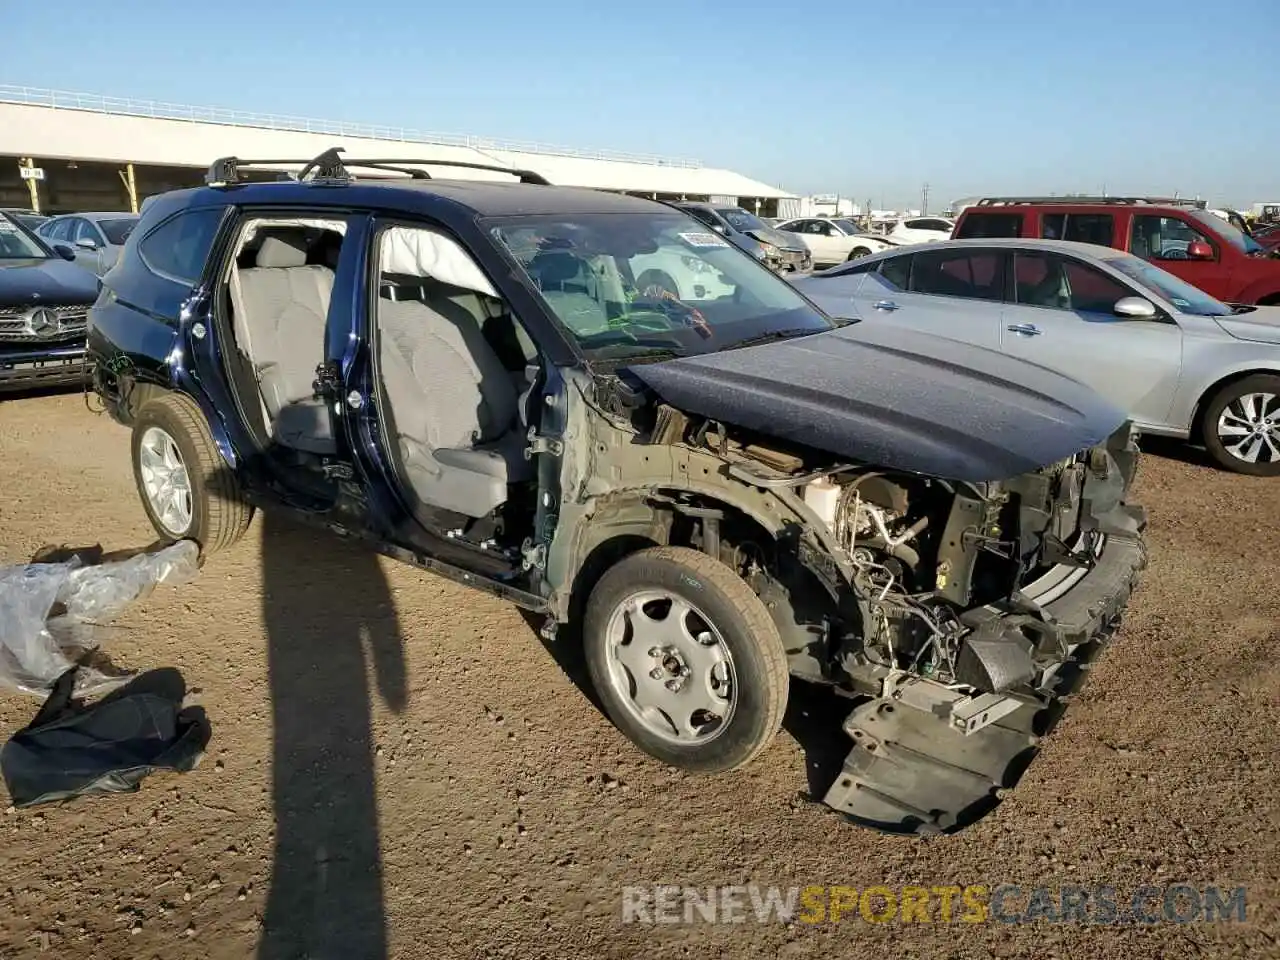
{"x":62,"y":131}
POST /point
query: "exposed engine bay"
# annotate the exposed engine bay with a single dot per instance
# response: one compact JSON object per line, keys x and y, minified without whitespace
{"x":953,"y":614}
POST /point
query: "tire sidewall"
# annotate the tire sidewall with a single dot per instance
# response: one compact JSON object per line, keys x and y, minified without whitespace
{"x":1209,"y":427}
{"x":158,"y":415}
{"x":740,"y":739}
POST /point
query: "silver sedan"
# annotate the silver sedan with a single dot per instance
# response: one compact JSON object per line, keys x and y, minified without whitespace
{"x":1182,"y":363}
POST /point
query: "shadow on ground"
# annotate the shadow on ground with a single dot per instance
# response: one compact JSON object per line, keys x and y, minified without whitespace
{"x":1170,"y":448}
{"x":330,"y":623}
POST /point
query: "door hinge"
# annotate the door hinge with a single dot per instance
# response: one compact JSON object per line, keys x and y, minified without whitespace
{"x":336,"y":470}
{"x":539,"y":444}
{"x":534,"y":555}
{"x":328,"y":380}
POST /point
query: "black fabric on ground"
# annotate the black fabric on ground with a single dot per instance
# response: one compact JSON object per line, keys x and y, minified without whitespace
{"x":72,"y":749}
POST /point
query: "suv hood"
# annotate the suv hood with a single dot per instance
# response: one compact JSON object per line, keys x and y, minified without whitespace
{"x":54,"y":282}
{"x":894,"y":398}
{"x":1261,"y":325}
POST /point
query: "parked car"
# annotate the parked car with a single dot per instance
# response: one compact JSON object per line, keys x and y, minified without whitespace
{"x":717,"y":492}
{"x":1180,"y":236}
{"x":1182,"y":363}
{"x":922,"y":229}
{"x":780,"y":252}
{"x":96,"y":238}
{"x":43,"y":304}
{"x":836,"y":239}
{"x":27,"y":218}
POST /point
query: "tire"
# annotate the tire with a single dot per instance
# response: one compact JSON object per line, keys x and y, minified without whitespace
{"x":748,"y":640}
{"x":858,"y":253}
{"x":1227,"y":400}
{"x":217,"y":514}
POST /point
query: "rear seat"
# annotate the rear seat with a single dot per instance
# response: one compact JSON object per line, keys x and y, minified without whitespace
{"x":281,"y":305}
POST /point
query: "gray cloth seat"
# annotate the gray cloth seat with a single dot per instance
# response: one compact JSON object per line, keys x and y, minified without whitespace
{"x":281,"y":306}
{"x":454,"y":406}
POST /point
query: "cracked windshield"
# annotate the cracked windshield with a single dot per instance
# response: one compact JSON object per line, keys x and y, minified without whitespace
{"x":626,"y":285}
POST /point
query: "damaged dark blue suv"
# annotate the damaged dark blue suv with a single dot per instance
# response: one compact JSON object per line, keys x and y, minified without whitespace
{"x":716,"y":488}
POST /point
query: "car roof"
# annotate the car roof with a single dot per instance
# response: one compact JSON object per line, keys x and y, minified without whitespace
{"x":1091,"y":250}
{"x":478,"y":198}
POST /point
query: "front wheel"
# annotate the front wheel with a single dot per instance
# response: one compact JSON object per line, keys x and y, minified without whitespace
{"x":1241,"y":426}
{"x":187,"y":490}
{"x":686,"y":659}
{"x":858,"y":253}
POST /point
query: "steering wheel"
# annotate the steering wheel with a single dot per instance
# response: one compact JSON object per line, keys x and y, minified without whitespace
{"x":1174,"y":253}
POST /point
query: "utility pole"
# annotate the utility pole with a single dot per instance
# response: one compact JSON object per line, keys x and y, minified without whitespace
{"x":924,"y":200}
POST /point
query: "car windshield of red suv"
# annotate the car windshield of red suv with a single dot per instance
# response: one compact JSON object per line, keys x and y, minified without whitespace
{"x":1184,"y":296}
{"x":1241,"y":241}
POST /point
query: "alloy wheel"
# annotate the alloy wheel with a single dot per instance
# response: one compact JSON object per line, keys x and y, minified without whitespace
{"x":165,"y":481}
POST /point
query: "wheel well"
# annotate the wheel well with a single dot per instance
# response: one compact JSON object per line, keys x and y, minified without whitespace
{"x":1270,"y":300}
{"x":1197,"y":418}
{"x":795,"y":595}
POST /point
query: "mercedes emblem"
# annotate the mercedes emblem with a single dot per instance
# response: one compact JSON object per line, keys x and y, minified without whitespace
{"x":43,"y":322}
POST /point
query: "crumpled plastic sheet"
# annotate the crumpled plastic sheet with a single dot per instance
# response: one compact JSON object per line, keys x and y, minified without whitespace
{"x":52,"y":614}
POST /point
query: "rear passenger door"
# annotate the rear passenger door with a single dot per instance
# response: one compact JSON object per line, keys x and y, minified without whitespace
{"x":953,"y":293}
{"x":1061,"y":316}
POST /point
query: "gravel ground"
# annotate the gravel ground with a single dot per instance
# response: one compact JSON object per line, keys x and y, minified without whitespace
{"x":400,"y":767}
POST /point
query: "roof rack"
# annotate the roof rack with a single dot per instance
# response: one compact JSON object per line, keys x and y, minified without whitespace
{"x":331,"y":166}
{"x":1119,"y":201}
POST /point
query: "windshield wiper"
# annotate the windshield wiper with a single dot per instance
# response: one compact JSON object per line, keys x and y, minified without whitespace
{"x":778,"y":335}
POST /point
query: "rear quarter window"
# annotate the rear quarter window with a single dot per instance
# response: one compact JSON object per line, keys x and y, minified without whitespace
{"x":989,"y":225}
{"x":177,"y":248}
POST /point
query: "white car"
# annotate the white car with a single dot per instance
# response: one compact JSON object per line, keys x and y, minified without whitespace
{"x":922,"y":229}
{"x":836,"y":239}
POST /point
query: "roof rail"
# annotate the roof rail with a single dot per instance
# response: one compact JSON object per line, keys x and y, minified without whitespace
{"x":1119,"y":201}
{"x":332,"y":166}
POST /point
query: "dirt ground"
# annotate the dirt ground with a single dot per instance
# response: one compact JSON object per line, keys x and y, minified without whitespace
{"x":399,"y":767}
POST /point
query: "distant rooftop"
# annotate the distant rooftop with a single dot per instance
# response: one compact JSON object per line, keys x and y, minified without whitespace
{"x":124,"y":106}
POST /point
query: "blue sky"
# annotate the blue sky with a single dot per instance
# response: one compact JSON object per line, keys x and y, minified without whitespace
{"x":867,"y":98}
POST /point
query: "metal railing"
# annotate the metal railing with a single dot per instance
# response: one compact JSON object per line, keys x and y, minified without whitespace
{"x":157,"y":110}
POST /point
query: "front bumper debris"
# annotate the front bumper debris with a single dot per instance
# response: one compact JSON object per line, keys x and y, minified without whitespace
{"x":48,"y":366}
{"x":929,"y":759}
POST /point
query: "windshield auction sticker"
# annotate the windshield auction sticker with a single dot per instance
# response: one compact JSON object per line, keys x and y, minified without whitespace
{"x":702,"y":240}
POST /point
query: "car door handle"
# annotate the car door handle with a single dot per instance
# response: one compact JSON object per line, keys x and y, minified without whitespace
{"x":888,"y":305}
{"x":1025,"y":329}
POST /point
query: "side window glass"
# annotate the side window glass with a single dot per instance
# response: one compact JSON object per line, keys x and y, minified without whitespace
{"x":1051,"y":225}
{"x":895,"y":273}
{"x":1096,"y":228}
{"x":986,"y":225}
{"x":813,"y":226}
{"x":83,"y":230}
{"x":974,"y":275}
{"x":59,"y":230}
{"x":1092,"y":291}
{"x":1162,"y":238}
{"x":702,"y":215}
{"x":1038,"y":281}
{"x":177,"y":248}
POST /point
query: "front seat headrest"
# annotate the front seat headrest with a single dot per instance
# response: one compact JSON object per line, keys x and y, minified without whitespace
{"x":282,"y":250}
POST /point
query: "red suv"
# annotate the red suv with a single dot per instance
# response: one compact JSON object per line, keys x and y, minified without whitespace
{"x":1178,"y":235}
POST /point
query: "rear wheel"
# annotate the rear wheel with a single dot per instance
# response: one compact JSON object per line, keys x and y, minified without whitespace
{"x":686,"y":659}
{"x":187,"y":490}
{"x":1241,"y":426}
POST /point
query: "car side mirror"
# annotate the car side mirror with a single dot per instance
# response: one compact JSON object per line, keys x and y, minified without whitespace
{"x":1199,"y":250}
{"x":86,"y":243}
{"x":65,"y":252}
{"x":1135,"y":308}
